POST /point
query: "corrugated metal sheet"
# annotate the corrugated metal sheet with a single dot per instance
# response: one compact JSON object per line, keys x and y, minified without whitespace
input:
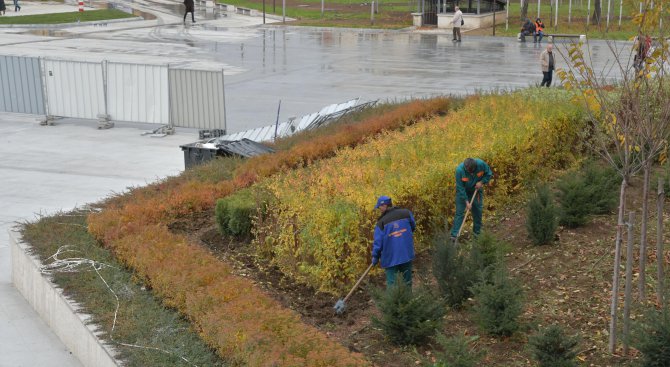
{"x":138,"y":93}
{"x":197,"y":99}
{"x":21,"y":85}
{"x":307,"y":122}
{"x":74,"y":88}
{"x":244,"y":148}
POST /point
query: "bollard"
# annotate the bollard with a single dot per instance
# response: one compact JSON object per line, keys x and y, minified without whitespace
{"x":81,"y":5}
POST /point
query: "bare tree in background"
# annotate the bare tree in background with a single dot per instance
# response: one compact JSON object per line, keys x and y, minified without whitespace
{"x":597,"y":12}
{"x":628,"y":122}
{"x":524,"y":9}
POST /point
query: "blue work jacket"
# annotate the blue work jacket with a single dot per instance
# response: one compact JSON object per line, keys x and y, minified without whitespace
{"x":394,"y":237}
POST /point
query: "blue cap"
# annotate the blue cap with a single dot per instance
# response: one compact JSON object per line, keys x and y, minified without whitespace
{"x":383,"y":200}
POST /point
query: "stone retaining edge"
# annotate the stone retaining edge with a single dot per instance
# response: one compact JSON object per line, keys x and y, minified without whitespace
{"x":56,"y":310}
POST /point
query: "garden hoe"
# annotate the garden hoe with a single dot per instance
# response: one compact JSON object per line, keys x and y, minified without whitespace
{"x":340,"y":306}
{"x":465,"y":217}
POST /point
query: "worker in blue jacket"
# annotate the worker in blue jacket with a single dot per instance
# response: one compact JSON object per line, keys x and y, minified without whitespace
{"x":393,"y":245}
{"x":471,"y":175}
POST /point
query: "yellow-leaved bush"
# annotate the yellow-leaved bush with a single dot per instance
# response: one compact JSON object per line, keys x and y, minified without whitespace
{"x":319,"y":227}
{"x":243,"y":324}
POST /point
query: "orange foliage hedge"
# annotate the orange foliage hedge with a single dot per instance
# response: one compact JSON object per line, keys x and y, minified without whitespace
{"x":245,"y":326}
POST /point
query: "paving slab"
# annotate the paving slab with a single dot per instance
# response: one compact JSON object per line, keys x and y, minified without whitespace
{"x":46,"y":169}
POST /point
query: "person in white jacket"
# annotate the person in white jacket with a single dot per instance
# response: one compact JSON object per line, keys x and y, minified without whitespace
{"x":457,"y":22}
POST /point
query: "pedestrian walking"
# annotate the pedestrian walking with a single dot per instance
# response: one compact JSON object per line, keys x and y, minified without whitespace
{"x":457,"y":22}
{"x":190,"y":8}
{"x":539,"y":30}
{"x":548,"y":64}
{"x":471,"y":176}
{"x":2,"y":7}
{"x":17,"y":7}
{"x":393,"y":246}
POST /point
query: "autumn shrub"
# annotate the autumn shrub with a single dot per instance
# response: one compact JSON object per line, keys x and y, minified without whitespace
{"x":541,"y":216}
{"x":349,"y":135}
{"x":457,"y":351}
{"x":321,"y":223}
{"x":233,"y":317}
{"x":592,"y":190}
{"x":408,"y":316}
{"x":651,"y":336}
{"x":498,"y":302}
{"x":551,"y":347}
{"x":235,"y":212}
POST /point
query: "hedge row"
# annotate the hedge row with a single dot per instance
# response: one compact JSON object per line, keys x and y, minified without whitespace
{"x":319,"y":228}
{"x":241,"y":323}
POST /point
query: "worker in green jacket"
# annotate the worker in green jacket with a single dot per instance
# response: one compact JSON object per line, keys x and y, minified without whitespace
{"x":471,"y":175}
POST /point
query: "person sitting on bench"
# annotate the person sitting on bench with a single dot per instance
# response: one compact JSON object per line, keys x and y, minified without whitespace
{"x":539,"y":30}
{"x":527,"y":29}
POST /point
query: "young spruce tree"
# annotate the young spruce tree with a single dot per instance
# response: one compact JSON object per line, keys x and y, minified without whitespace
{"x":408,"y":317}
{"x":552,"y":348}
{"x":541,"y":216}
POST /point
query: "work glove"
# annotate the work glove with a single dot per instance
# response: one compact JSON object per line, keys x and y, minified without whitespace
{"x":374,"y":261}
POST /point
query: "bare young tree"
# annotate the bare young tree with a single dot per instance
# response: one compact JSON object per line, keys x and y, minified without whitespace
{"x":597,"y":11}
{"x":524,"y":9}
{"x":628,"y":122}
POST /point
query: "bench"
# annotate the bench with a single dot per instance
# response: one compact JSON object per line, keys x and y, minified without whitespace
{"x":243,"y":11}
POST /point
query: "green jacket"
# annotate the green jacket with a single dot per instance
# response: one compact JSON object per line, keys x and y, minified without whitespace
{"x":465,"y":181}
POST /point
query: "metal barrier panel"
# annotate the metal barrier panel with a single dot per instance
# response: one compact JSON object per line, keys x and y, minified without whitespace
{"x":197,"y":99}
{"x":21,"y":85}
{"x":74,"y":88}
{"x":138,"y":93}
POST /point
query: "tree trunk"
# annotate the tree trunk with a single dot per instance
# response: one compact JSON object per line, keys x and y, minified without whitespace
{"x":617,"y":264}
{"x":643,"y":235}
{"x":659,"y":242}
{"x":629,"y":282}
{"x":524,"y":9}
{"x":597,"y":10}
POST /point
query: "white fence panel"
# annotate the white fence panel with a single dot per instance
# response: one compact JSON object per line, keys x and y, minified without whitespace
{"x":21,"y":85}
{"x":138,"y":93}
{"x":197,"y":99}
{"x":74,"y":89}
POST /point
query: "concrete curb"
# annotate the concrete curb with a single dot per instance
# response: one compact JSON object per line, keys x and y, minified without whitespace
{"x":58,"y":312}
{"x":69,"y":25}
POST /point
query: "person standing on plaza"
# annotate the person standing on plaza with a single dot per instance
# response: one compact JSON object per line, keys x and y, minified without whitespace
{"x":393,"y":246}
{"x":548,"y":64}
{"x":190,"y":8}
{"x":457,"y":22}
{"x":471,"y":176}
{"x":2,"y":7}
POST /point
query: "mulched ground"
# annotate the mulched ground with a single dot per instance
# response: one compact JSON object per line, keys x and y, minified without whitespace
{"x":567,"y":283}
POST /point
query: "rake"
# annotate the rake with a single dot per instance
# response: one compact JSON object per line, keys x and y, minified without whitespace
{"x":465,"y":217}
{"x":340,"y":306}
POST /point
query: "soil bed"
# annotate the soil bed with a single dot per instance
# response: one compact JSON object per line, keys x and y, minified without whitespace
{"x":567,"y":283}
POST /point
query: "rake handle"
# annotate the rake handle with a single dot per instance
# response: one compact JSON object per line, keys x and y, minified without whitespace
{"x":467,"y":210}
{"x":358,"y":282}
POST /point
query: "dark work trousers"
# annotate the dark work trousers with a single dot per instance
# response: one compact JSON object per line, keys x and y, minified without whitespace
{"x":457,"y":32}
{"x":404,"y":270}
{"x":547,"y":78}
{"x":192,"y":15}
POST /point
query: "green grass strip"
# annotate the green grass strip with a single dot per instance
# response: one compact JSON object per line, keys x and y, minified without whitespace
{"x":73,"y":17}
{"x":141,"y":319}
